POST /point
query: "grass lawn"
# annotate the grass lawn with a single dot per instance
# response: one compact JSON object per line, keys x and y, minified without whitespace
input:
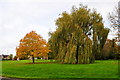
{"x":99,"y":69}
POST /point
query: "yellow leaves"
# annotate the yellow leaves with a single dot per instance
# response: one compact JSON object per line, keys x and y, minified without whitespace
{"x":32,"y":53}
{"x":32,"y":44}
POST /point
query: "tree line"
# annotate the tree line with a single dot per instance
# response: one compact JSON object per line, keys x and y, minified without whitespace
{"x":80,"y":38}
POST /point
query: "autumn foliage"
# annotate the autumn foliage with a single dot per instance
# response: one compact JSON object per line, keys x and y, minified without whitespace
{"x":110,"y":50}
{"x":32,"y":45}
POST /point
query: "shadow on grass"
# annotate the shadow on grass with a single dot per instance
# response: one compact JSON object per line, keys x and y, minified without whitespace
{"x":4,"y":78}
{"x":41,"y":63}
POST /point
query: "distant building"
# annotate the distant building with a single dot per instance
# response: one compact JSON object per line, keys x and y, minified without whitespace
{"x":4,"y":57}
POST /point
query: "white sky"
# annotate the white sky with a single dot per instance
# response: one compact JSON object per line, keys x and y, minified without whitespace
{"x":18,"y":17}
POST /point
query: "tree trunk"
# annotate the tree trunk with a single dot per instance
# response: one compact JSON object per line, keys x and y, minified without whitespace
{"x":77,"y":54}
{"x":33,"y":59}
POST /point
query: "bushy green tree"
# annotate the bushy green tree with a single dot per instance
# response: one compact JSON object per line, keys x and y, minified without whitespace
{"x":71,"y":42}
{"x":11,"y":56}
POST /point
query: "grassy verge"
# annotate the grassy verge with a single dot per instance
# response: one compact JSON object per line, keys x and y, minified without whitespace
{"x":100,"y":69}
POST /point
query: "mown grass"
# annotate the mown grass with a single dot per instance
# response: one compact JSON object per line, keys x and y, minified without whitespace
{"x":99,"y":69}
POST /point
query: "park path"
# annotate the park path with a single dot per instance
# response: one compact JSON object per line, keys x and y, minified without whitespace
{"x":5,"y":78}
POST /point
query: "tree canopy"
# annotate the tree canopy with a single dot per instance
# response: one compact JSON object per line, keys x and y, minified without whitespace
{"x":32,"y":45}
{"x":110,"y":50}
{"x":79,"y":36}
{"x":114,"y":18}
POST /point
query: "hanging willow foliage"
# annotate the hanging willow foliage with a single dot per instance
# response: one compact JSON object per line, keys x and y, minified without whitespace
{"x":71,"y":42}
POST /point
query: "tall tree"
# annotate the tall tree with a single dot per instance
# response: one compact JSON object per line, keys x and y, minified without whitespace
{"x":99,"y":34}
{"x":32,"y":45}
{"x":11,"y":56}
{"x":114,"y":18}
{"x":71,"y":42}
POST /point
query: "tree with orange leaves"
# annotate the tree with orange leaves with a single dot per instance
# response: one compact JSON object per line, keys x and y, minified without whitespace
{"x":32,"y":45}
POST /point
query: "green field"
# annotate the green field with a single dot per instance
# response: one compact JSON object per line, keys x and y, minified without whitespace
{"x":99,"y":69}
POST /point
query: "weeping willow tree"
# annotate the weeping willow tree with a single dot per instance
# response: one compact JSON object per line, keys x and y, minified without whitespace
{"x":72,"y":41}
{"x":100,"y":34}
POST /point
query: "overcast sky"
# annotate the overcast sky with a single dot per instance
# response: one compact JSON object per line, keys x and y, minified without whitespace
{"x":18,"y":17}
